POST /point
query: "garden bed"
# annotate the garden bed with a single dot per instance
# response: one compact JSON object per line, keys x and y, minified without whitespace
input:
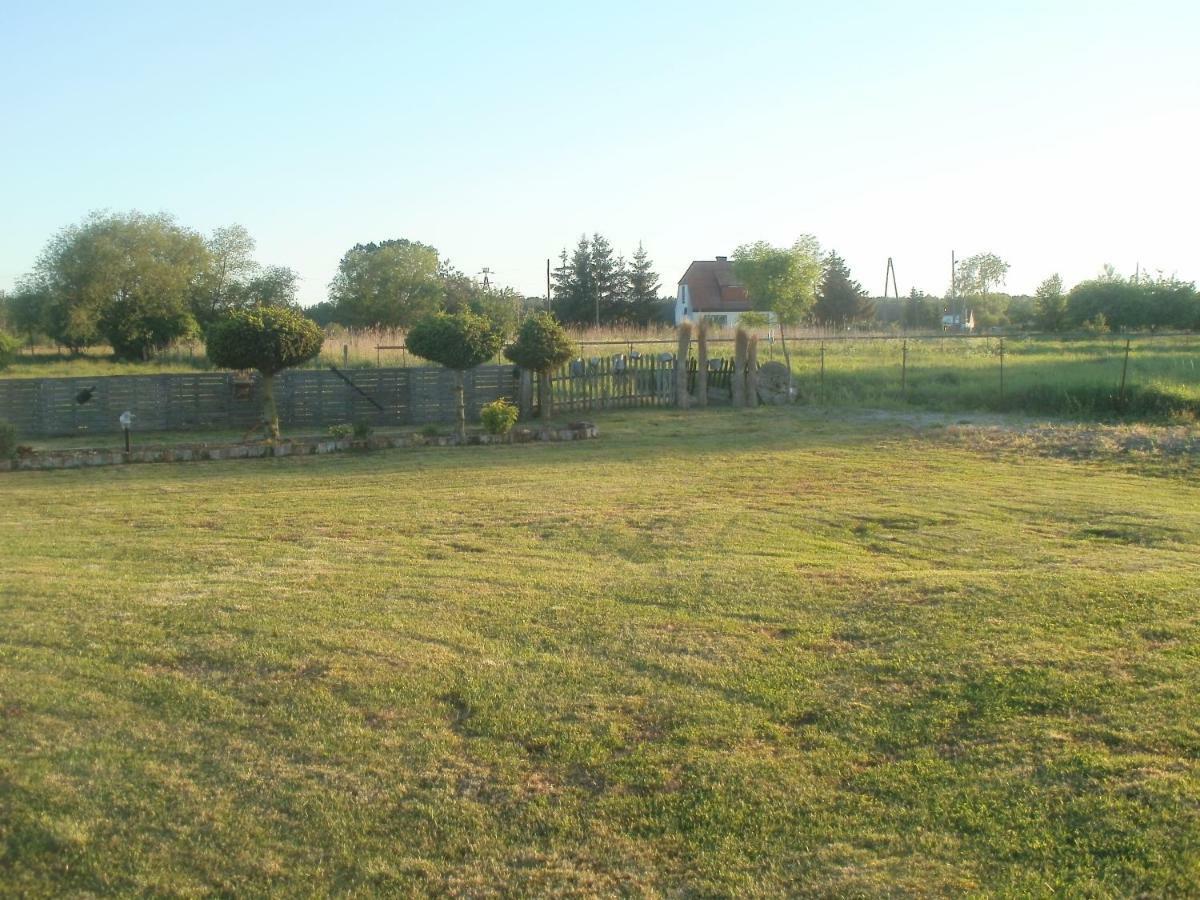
{"x":299,"y":446}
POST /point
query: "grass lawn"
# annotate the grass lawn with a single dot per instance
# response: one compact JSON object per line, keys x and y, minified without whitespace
{"x":708,"y":654}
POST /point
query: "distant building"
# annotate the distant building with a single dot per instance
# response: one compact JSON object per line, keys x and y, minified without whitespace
{"x":709,"y":291}
{"x":959,"y":323}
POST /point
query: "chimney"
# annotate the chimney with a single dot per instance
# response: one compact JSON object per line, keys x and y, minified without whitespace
{"x":722,"y":259}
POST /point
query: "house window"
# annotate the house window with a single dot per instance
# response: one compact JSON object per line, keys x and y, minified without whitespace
{"x":717,"y":321}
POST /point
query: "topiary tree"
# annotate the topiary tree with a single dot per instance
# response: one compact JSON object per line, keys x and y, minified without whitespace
{"x":460,"y":341}
{"x":541,"y":346}
{"x":269,"y":339}
{"x":8,"y":349}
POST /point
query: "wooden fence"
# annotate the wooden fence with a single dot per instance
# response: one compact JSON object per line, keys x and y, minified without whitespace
{"x":46,"y":407}
{"x":628,"y":380}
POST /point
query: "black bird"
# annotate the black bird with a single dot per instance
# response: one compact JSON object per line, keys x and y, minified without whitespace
{"x":85,"y":395}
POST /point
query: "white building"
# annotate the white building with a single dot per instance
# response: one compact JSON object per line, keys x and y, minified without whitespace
{"x":709,"y":291}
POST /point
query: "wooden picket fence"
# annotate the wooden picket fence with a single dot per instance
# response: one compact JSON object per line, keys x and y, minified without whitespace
{"x":630,"y":380}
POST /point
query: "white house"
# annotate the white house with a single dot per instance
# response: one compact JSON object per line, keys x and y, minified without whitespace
{"x":709,"y":291}
{"x":958,"y":323}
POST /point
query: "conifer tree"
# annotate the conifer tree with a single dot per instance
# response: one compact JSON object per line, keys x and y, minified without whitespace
{"x":643,"y":287}
{"x":841,"y":300}
{"x":606,"y":281}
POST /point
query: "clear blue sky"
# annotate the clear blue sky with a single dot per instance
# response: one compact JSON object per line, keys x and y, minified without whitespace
{"x":1061,"y":135}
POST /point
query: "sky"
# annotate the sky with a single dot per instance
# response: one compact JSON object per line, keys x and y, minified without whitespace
{"x":1059,"y":135}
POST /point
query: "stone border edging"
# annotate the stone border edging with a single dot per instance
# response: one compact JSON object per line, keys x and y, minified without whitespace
{"x":80,"y":459}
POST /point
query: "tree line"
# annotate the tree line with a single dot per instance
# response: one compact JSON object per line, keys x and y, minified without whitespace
{"x":592,"y":286}
{"x":821,"y":291}
{"x":140,"y":282}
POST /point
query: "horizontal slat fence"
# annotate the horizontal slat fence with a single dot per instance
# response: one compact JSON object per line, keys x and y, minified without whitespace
{"x":49,"y":407}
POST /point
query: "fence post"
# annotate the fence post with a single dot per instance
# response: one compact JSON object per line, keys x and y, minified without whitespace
{"x":752,"y":372}
{"x":702,"y":364}
{"x":822,"y":373}
{"x":1001,"y":368}
{"x":741,"y":346}
{"x":904,"y":369}
{"x":1124,"y":372}
{"x":681,"y":365}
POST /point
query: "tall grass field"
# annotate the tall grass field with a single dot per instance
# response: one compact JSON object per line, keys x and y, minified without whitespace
{"x":718,"y":653}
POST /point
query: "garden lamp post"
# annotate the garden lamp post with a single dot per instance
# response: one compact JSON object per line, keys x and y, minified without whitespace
{"x":126,"y":420}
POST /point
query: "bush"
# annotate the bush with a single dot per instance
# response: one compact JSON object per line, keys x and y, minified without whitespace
{"x":8,"y":349}
{"x":362,"y":429}
{"x":270,"y":339}
{"x":499,"y":416}
{"x":541,"y":344}
{"x":8,"y":440}
{"x":340,"y":432}
{"x":461,"y":341}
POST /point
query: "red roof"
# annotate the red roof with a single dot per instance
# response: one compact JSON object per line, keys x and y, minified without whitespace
{"x":712,"y":287}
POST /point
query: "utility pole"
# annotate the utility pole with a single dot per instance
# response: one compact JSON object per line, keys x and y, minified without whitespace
{"x":890,"y":274}
{"x":953,"y":286}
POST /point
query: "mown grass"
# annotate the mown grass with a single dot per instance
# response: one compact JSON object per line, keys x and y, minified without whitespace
{"x":709,"y":654}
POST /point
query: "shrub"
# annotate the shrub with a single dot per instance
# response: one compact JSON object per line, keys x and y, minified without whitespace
{"x":268,"y":338}
{"x":8,"y":440}
{"x":431,"y":431}
{"x":541,"y":345}
{"x":362,"y":429}
{"x":461,"y":341}
{"x":499,"y":416}
{"x":340,"y":432}
{"x":8,"y":349}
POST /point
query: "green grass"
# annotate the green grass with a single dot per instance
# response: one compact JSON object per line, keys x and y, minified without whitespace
{"x":708,"y":654}
{"x":1077,"y":378}
{"x":1074,"y":377}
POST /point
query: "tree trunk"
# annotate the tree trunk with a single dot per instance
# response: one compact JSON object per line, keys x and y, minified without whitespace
{"x":270,"y":411}
{"x":461,"y":400}
{"x":787,"y":360}
{"x":525,"y":395}
{"x":545,"y":397}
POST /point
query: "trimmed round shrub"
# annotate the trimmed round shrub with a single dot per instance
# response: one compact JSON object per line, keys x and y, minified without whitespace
{"x":267,"y":338}
{"x":460,"y":341}
{"x":8,"y":349}
{"x":541,"y":346}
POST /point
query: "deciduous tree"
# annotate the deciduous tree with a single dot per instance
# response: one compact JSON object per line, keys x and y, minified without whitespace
{"x":1050,"y":304}
{"x":267,"y":338}
{"x":458,"y":341}
{"x":392,"y":284}
{"x":782,"y":281}
{"x":127,"y":277}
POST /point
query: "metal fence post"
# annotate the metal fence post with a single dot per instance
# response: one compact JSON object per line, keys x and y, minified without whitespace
{"x":1001,"y":368}
{"x":1124,"y":372}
